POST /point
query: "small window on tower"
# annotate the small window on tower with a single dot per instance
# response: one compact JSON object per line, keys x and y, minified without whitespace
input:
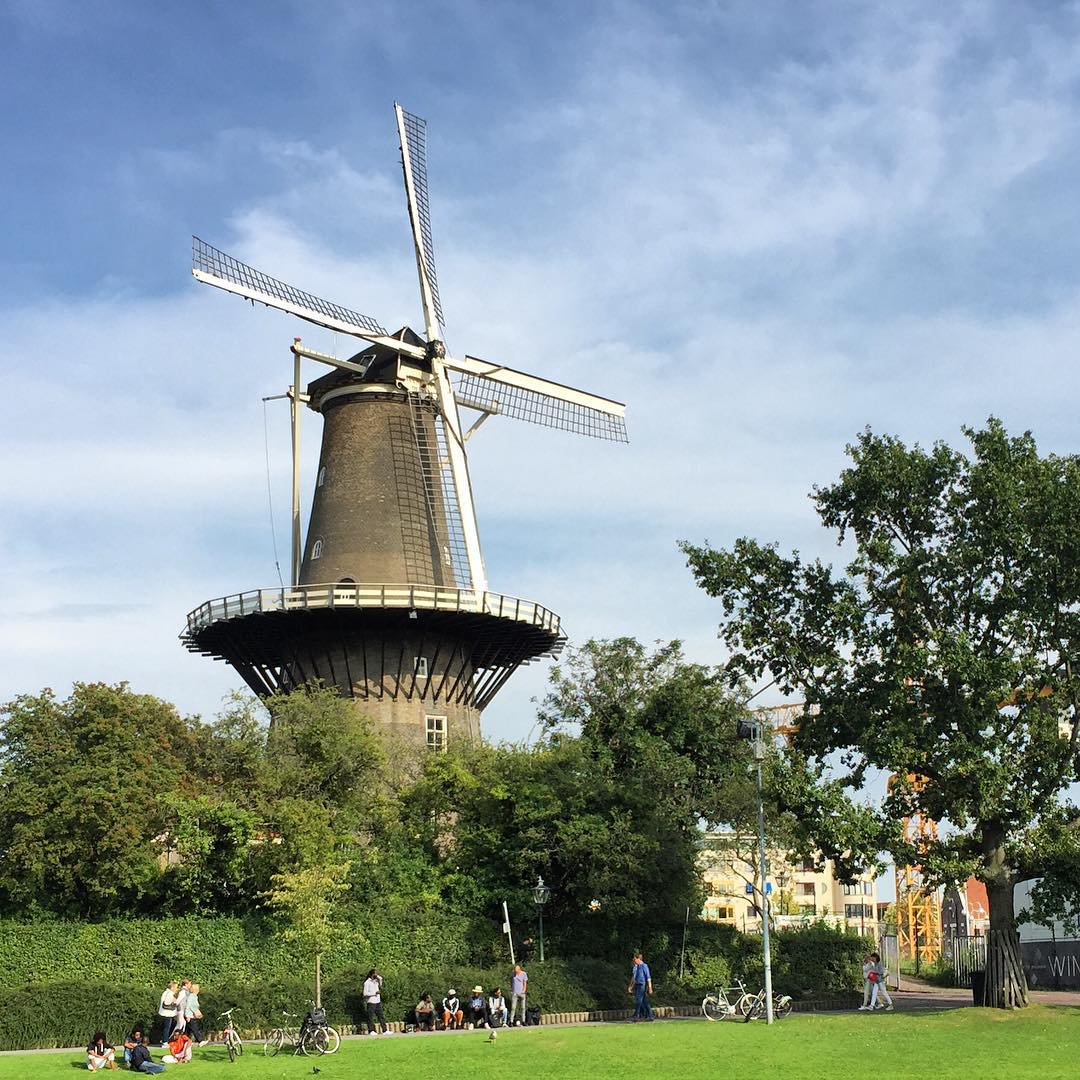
{"x":316,"y":550}
{"x":421,"y":667}
{"x":322,"y":477}
{"x":436,"y":732}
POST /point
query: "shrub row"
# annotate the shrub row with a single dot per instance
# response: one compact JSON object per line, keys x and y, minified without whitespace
{"x":65,"y":1014}
{"x":210,"y":950}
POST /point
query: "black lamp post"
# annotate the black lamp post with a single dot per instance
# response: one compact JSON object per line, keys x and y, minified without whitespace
{"x":540,"y":896}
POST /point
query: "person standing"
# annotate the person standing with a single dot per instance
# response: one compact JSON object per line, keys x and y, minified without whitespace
{"x":519,"y":987}
{"x":193,"y":1014}
{"x":373,"y":1001}
{"x":641,"y":987}
{"x":167,"y":1009}
{"x":867,"y":967}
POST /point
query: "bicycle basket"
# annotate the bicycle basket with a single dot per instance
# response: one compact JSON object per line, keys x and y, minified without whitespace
{"x":315,"y":1018}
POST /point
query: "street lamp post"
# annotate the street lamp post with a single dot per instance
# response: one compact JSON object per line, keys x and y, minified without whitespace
{"x":540,"y":897}
{"x":752,"y":730}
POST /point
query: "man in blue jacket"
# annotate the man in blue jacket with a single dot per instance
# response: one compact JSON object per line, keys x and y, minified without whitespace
{"x":641,"y":987}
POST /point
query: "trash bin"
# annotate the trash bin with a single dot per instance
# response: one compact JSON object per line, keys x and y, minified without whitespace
{"x":978,"y":987}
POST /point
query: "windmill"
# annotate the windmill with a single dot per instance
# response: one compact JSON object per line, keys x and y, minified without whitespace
{"x":388,"y":599}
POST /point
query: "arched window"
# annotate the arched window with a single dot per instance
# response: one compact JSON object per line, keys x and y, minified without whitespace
{"x":316,"y":550}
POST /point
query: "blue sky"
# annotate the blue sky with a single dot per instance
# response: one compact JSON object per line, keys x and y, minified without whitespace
{"x":762,"y":226}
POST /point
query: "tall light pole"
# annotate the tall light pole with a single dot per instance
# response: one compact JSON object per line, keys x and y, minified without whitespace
{"x":540,"y":897}
{"x":752,"y":731}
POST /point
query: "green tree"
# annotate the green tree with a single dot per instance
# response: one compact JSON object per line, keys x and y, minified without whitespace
{"x":945,"y":652}
{"x":307,"y":901}
{"x":82,"y":782}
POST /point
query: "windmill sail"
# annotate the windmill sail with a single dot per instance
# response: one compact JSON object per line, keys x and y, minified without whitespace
{"x":441,"y":503}
{"x":214,"y":267}
{"x":413,"y":132}
{"x":538,"y":401}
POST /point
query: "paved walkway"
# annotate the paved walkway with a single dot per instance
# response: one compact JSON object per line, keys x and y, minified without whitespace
{"x":914,"y":994}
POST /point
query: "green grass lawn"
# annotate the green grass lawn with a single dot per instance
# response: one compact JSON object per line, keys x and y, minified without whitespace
{"x":964,"y":1043}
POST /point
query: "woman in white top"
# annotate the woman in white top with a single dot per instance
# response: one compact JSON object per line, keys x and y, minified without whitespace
{"x":168,"y":1007}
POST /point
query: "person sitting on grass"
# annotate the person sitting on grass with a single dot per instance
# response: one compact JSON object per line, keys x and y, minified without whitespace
{"x":497,"y":1012}
{"x":179,"y":1048}
{"x":99,"y":1054}
{"x":133,"y":1040}
{"x":425,"y":1012}
{"x":452,"y":1016}
{"x":477,"y":1012}
{"x":140,"y":1058}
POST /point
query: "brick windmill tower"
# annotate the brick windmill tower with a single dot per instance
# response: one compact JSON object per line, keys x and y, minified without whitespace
{"x":388,"y":599}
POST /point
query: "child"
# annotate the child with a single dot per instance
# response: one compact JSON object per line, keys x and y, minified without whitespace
{"x":867,"y":967}
{"x":877,"y":977}
{"x":99,"y":1054}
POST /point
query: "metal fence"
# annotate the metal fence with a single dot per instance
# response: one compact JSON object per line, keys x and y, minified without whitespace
{"x":968,"y":955}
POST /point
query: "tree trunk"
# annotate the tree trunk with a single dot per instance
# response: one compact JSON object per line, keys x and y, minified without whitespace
{"x":318,"y":980}
{"x":1006,"y":986}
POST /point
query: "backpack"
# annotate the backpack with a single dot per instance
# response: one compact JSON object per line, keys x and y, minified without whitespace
{"x":532,"y":1016}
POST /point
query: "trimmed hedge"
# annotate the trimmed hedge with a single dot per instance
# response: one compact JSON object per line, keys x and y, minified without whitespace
{"x":65,"y":1014}
{"x":110,"y":975}
{"x":211,"y":950}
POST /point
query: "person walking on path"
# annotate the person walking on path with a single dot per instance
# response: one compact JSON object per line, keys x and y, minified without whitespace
{"x":181,"y":1000}
{"x":519,"y":987}
{"x":193,"y":1014}
{"x":167,"y":1009}
{"x":868,"y":985}
{"x":877,"y":977}
{"x":641,"y":987}
{"x":373,"y":1001}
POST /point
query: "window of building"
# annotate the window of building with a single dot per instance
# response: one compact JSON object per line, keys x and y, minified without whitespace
{"x":806,"y":888}
{"x":858,"y":911}
{"x":316,"y":550}
{"x":851,"y":890}
{"x":808,"y":866}
{"x":420,"y":666}
{"x":868,"y":888}
{"x":436,"y":732}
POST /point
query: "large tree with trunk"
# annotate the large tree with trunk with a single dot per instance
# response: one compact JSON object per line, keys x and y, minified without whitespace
{"x":945,"y":655}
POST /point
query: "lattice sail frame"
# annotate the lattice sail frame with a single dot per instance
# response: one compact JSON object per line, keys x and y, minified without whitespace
{"x":538,"y":408}
{"x":443,"y":504}
{"x":416,"y":137}
{"x":209,"y":260}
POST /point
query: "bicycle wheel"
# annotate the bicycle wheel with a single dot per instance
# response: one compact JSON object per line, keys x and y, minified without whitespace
{"x":233,"y":1044}
{"x":274,"y":1042}
{"x":333,"y":1040}
{"x":314,"y":1041}
{"x":746,"y":1003}
{"x":755,"y":1009}
{"x":781,"y":1008}
{"x":712,"y":1008}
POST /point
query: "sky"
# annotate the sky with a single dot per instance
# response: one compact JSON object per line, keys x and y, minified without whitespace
{"x":762,"y":226}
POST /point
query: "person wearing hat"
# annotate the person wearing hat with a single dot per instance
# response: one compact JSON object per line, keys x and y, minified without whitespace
{"x":452,"y":1016}
{"x":477,"y":1008}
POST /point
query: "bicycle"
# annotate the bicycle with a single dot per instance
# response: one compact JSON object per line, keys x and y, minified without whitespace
{"x":312,"y":1038}
{"x":753,"y":1006}
{"x":230,"y":1037}
{"x":720,"y":1006}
